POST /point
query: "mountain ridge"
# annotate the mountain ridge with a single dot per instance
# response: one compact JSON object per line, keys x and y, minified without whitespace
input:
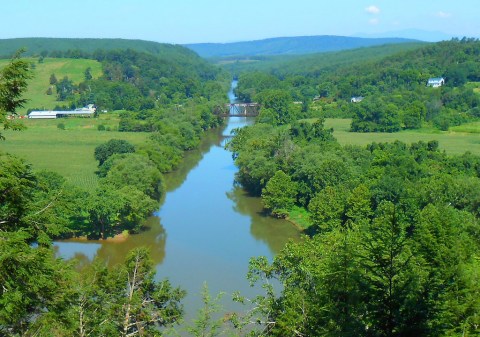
{"x":289,"y":45}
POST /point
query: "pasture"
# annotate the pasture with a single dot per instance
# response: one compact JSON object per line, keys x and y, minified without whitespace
{"x":68,"y":152}
{"x":456,"y":141}
{"x":37,"y":87}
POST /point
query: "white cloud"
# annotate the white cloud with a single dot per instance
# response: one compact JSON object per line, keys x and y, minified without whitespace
{"x":374,"y":21}
{"x":372,"y":9}
{"x":443,"y":15}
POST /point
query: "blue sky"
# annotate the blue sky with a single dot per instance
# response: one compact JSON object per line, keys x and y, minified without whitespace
{"x":193,"y":21}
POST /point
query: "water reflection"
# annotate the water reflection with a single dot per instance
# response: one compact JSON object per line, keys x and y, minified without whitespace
{"x":275,"y":233}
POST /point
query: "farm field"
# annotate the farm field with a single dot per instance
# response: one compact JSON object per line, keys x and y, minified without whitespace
{"x":458,"y":140}
{"x":61,"y":67}
{"x":68,"y":152}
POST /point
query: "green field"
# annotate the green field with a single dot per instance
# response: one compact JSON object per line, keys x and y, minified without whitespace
{"x":456,"y":141}
{"x":68,"y":152}
{"x":39,"y":84}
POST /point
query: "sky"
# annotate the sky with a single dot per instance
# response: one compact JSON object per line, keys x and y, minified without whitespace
{"x":196,"y":21}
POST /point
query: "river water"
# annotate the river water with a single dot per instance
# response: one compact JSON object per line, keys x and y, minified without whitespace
{"x":206,"y":228}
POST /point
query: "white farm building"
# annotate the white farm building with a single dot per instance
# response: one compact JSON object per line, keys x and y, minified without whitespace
{"x":87,"y":111}
{"x":436,"y":82}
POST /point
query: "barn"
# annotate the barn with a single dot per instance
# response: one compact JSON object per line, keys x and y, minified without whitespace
{"x":87,"y":111}
{"x":42,"y":114}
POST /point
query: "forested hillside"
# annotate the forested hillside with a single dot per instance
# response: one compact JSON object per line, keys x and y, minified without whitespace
{"x":135,"y":74}
{"x":46,"y":46}
{"x":394,"y":88}
{"x":310,"y":63}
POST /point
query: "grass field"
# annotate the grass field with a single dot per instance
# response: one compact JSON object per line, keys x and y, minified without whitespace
{"x":68,"y":152}
{"x":39,"y":84}
{"x":456,"y":141}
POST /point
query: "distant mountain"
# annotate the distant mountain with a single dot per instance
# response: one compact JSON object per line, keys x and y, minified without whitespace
{"x":289,"y":45}
{"x":35,"y":46}
{"x":418,"y":34}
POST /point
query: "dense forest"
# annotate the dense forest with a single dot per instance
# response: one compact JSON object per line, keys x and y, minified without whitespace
{"x":393,"y":246}
{"x":394,"y":88}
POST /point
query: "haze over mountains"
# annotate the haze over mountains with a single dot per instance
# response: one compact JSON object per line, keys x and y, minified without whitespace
{"x":267,"y":47}
{"x":289,"y":45}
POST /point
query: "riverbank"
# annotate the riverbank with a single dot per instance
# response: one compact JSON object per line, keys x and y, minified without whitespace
{"x":300,"y":218}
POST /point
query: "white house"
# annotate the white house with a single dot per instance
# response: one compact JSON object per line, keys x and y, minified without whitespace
{"x":356,"y":99}
{"x":435,"y":82}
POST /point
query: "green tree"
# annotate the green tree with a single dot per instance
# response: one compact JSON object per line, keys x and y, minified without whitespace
{"x":105,"y":150}
{"x":13,"y":84}
{"x":53,"y":79}
{"x":124,"y":300}
{"x":136,"y":171}
{"x":147,"y":305}
{"x":278,"y":102}
{"x":206,"y":324}
{"x":88,"y":74}
{"x":392,"y":277}
{"x":36,"y":287}
{"x":279,"y":194}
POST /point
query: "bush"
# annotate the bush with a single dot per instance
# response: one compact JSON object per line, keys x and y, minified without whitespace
{"x":61,"y":126}
{"x":101,"y":127}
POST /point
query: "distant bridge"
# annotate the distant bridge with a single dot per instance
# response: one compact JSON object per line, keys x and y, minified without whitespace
{"x":238,"y":110}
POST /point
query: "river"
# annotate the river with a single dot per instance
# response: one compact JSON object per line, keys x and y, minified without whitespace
{"x":206,"y":228}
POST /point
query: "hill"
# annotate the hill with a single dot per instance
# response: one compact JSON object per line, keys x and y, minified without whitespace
{"x":289,"y":45}
{"x":124,"y":74}
{"x":394,"y":87}
{"x":311,"y":63}
{"x":74,"y":69}
{"x":43,"y":46}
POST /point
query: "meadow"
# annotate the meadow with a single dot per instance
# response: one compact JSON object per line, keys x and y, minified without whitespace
{"x":68,"y":151}
{"x":37,"y":87}
{"x":456,"y":141}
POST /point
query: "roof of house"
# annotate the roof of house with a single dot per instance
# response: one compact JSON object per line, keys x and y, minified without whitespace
{"x":436,"y":79}
{"x":43,"y":113}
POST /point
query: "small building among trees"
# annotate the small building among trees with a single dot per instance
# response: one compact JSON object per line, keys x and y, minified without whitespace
{"x":356,"y":99}
{"x":435,"y":82}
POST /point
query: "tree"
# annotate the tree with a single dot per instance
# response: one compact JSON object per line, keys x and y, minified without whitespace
{"x":147,"y":304}
{"x":206,"y":325}
{"x":13,"y":84}
{"x":392,"y":278}
{"x":36,"y":287}
{"x":374,"y":115}
{"x":278,"y":102}
{"x":65,"y":89}
{"x":88,"y":74}
{"x":124,"y":300}
{"x":53,"y":79}
{"x":136,"y":171}
{"x":279,"y":194}
{"x":105,"y":150}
